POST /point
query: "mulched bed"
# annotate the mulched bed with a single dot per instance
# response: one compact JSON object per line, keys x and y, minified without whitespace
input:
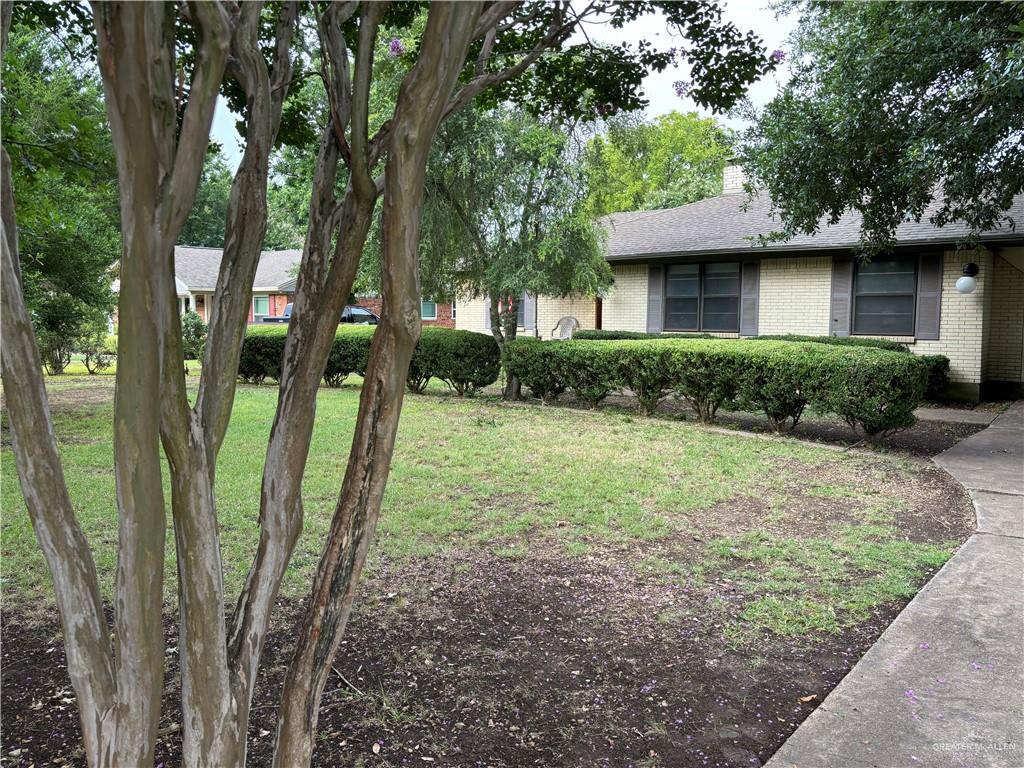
{"x":925,"y":439}
{"x":477,"y":660}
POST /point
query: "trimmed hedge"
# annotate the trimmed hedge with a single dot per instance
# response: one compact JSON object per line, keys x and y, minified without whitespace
{"x":625,"y":335}
{"x":464,"y":360}
{"x":875,"y":391}
{"x":840,"y":341}
{"x":937,"y":365}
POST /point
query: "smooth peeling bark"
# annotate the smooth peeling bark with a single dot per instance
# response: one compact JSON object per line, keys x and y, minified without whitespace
{"x":90,"y":659}
{"x":158,"y":173}
{"x":421,"y":102}
{"x":325,"y":280}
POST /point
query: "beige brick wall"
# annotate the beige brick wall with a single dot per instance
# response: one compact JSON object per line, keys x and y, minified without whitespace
{"x":795,"y":296}
{"x":1005,"y":327}
{"x":470,"y":315}
{"x":625,"y":306}
{"x":551,"y":309}
{"x":961,"y":328}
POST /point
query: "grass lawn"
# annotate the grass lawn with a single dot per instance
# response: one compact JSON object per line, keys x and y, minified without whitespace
{"x":597,"y":538}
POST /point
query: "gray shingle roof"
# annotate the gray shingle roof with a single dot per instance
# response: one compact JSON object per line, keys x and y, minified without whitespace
{"x":197,"y":268}
{"x":728,"y":223}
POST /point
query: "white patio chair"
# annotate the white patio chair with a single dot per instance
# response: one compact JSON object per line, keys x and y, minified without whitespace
{"x":564,"y":329}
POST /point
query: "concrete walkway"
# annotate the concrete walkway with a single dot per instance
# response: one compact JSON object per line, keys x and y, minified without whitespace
{"x":944,"y":684}
{"x":956,"y":415}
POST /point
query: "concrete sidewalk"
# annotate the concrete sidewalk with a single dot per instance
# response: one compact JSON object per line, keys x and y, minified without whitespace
{"x":944,"y":684}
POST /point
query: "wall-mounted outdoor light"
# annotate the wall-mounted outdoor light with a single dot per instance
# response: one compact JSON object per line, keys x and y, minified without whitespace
{"x":967,"y":283}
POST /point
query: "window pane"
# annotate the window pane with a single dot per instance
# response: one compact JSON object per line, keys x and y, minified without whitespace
{"x":721,"y":309}
{"x":884,"y":297}
{"x":884,"y":315}
{"x":721,"y":313}
{"x":683,"y":280}
{"x":261,"y":305}
{"x":428,"y":310}
{"x":681,"y":314}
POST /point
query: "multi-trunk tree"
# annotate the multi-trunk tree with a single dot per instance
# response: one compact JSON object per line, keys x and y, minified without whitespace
{"x":160,"y":122}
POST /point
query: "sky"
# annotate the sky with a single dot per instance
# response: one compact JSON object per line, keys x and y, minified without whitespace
{"x":746,"y":14}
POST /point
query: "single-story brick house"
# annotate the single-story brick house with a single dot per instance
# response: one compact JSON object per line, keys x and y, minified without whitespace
{"x":697,"y":268}
{"x":195,"y":274}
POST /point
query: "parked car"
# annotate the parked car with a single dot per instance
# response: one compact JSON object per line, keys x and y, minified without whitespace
{"x":351,"y":314}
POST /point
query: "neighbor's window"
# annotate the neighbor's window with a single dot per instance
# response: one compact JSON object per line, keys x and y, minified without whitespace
{"x":453,"y":309}
{"x":428,"y":310}
{"x":260,"y":306}
{"x":883,"y":296}
{"x":703,"y":297}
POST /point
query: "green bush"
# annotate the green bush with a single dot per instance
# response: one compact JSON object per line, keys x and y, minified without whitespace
{"x":874,"y":390}
{"x":645,"y":368}
{"x":779,"y":379}
{"x":464,"y":360}
{"x":706,"y":373}
{"x":938,"y":375}
{"x":262,"y":353}
{"x":96,"y":351}
{"x":839,"y":341}
{"x":193,"y":335}
{"x":533,"y":362}
{"x":349,"y":353}
{"x":632,"y":335}
{"x":588,"y":369}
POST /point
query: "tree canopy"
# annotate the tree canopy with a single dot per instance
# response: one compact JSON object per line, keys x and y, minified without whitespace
{"x":639,"y":165}
{"x":65,"y":187}
{"x":891,"y":106}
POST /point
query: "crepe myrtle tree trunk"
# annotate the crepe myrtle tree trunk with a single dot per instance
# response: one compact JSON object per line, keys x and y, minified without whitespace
{"x":90,"y":658}
{"x":421,"y":104}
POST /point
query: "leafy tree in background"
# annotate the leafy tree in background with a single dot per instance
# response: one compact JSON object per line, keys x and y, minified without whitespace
{"x":639,"y":165}
{"x":505,"y":215}
{"x":205,"y":223}
{"x":62,"y":165}
{"x":891,"y":107}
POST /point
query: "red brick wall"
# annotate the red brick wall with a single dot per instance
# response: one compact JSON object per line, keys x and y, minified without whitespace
{"x":444,"y":311}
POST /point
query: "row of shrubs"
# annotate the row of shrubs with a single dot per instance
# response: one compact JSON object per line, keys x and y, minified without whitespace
{"x":464,"y":360}
{"x":937,"y":365}
{"x":874,"y":391}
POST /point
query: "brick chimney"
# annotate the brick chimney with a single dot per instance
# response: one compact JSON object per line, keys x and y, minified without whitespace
{"x":733,"y":177}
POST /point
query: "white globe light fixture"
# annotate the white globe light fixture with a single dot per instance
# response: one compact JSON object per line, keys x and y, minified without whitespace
{"x":967,"y":283}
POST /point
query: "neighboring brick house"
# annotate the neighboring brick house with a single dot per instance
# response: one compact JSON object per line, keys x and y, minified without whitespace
{"x":433,"y":312}
{"x":196,"y":271}
{"x":698,"y":268}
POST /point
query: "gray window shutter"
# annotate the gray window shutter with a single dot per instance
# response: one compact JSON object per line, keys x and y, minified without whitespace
{"x":929,"y":296}
{"x":529,"y":311}
{"x":842,"y":295}
{"x":655,"y":298}
{"x":749,"y":286}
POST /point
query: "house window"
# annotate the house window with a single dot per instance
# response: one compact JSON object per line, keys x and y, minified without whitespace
{"x":260,"y":307}
{"x":453,"y":309}
{"x":884,"y":296}
{"x":520,"y":311}
{"x":703,"y":297}
{"x":428,"y":310}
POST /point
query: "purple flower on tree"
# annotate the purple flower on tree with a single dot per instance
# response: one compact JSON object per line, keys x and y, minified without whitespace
{"x":682,"y":88}
{"x":395,"y":48}
{"x":778,"y":56}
